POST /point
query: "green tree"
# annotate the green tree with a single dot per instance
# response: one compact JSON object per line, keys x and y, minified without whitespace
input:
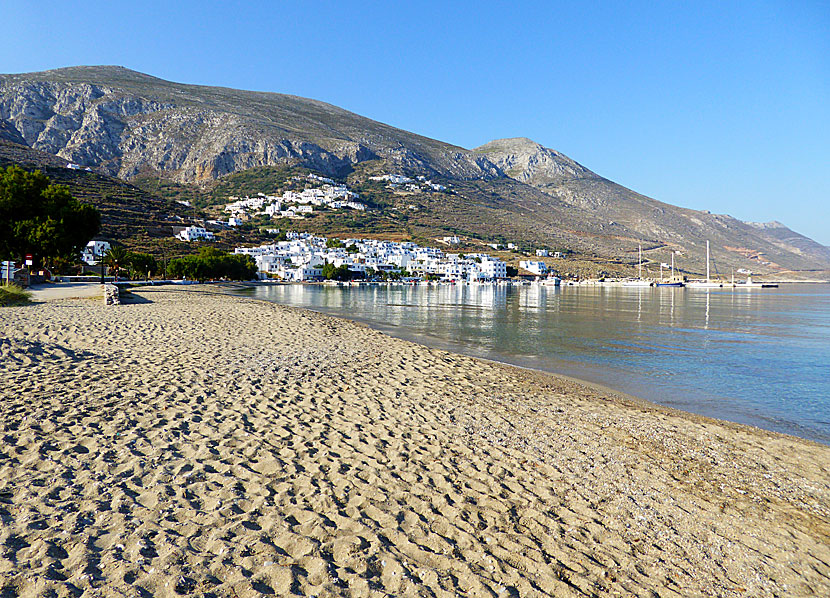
{"x":115,"y":258}
{"x":142,"y":264}
{"x":212,"y":263}
{"x":40,"y":218}
{"x":332,"y":272}
{"x":334,"y":243}
{"x":512,"y":271}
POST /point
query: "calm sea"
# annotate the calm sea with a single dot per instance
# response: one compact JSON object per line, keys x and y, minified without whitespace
{"x":760,"y":356}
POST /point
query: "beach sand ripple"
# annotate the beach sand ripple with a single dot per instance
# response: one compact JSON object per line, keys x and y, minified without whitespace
{"x":206,"y":445}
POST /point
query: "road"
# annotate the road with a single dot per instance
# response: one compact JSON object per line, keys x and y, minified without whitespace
{"x":65,"y":290}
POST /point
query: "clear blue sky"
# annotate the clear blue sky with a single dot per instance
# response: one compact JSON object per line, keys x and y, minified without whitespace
{"x":710,"y":105}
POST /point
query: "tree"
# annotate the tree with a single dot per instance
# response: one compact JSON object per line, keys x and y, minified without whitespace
{"x":212,"y":263}
{"x":512,"y":271}
{"x":115,"y":257}
{"x":334,"y":243}
{"x":141,"y":264}
{"x":40,"y":218}
{"x":332,"y":272}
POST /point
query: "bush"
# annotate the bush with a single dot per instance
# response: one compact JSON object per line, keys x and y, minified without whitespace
{"x":332,"y":272}
{"x":212,"y":264}
{"x":11,"y":294}
{"x":141,"y":265}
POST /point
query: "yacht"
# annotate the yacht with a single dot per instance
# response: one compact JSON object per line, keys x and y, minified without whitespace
{"x":639,"y":281}
{"x":671,"y":282}
{"x":708,"y":283}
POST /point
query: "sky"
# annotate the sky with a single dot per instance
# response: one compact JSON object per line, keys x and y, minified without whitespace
{"x":723,"y":106}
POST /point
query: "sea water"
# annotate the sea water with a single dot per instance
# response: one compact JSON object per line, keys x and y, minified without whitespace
{"x":754,"y":356}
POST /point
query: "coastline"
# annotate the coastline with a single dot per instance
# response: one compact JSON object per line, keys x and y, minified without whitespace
{"x":211,"y":442}
{"x":719,"y":407}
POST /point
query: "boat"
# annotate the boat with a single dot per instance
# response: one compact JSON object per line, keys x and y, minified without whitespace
{"x":671,"y":282}
{"x":708,"y":283}
{"x":552,"y":281}
{"x":750,"y":284}
{"x":639,"y":281}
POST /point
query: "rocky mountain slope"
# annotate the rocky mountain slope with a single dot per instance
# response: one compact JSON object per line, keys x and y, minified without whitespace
{"x":133,"y":126}
{"x":123,"y":122}
{"x":653,"y":221}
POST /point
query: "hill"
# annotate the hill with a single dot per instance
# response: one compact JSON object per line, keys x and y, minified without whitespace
{"x":178,"y":141}
{"x":129,"y":215}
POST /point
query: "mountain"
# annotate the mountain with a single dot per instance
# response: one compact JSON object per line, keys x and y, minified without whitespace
{"x":139,"y":128}
{"x":124,"y":123}
{"x":653,"y":221}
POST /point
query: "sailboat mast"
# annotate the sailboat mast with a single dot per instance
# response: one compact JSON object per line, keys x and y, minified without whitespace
{"x":707,"y":260}
{"x":640,"y":262}
{"x":672,"y":265}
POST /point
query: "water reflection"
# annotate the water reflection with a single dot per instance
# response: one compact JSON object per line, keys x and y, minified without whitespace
{"x":759,"y":357}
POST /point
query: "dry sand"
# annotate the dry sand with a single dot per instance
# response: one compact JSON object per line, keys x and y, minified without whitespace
{"x":196,"y":444}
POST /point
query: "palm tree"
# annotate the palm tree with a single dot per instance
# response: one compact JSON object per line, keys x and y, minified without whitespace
{"x":115,"y":257}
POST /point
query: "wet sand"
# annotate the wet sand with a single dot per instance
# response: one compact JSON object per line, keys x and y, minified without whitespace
{"x":190,"y":443}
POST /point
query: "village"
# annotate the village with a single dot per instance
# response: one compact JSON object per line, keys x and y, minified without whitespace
{"x":303,"y":257}
{"x":293,"y":205}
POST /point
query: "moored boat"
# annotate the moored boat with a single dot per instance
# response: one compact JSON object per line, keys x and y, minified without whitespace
{"x":671,"y":282}
{"x":708,"y":283}
{"x":639,"y":281}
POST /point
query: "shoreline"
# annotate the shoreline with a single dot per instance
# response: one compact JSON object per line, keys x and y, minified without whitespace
{"x":191,"y":441}
{"x":459,"y":348}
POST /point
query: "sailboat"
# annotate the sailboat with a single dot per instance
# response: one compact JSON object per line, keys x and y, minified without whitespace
{"x":708,"y":283}
{"x":671,"y":282}
{"x":638,"y":282}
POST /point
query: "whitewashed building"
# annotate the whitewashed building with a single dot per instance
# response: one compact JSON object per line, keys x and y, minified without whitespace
{"x":195,"y":233}
{"x":93,"y":251}
{"x":538,"y":268}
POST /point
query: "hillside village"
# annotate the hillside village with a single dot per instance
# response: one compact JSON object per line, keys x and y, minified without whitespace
{"x":293,"y":204}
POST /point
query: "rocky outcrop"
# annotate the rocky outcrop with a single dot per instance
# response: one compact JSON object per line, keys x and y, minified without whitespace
{"x":529,"y":162}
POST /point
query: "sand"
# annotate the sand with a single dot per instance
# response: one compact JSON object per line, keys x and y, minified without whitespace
{"x":196,"y":444}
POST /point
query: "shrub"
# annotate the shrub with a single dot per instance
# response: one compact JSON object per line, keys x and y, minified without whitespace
{"x":211,"y":264}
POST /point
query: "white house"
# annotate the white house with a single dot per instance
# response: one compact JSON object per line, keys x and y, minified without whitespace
{"x":491,"y":269}
{"x":195,"y":233}
{"x":93,"y":251}
{"x":451,"y":240}
{"x":234,"y":221}
{"x":537,"y":268}
{"x":307,"y":273}
{"x":542,"y":253}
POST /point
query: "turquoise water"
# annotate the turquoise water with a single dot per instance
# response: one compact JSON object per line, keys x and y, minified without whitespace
{"x":760,"y":356}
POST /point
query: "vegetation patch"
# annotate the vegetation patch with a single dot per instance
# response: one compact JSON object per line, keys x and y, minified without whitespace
{"x":213,"y":264}
{"x":11,"y":294}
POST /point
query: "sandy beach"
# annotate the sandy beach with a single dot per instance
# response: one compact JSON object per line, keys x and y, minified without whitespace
{"x":190,"y":443}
